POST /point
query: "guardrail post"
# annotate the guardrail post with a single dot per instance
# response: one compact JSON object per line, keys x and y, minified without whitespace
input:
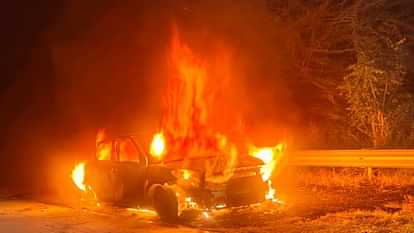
{"x":369,"y":173}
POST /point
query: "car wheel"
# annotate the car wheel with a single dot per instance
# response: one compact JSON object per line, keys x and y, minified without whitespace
{"x":164,"y":202}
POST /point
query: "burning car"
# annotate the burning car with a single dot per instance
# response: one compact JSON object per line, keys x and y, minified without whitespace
{"x":125,"y":175}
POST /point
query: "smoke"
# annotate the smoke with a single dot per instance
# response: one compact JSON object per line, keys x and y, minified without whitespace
{"x":105,"y":64}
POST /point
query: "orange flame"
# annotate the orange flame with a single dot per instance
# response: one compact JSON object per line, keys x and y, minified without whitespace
{"x":103,"y":150}
{"x":270,"y":157}
{"x":158,"y":147}
{"x":188,"y":98}
{"x":78,"y":176}
{"x":270,"y":195}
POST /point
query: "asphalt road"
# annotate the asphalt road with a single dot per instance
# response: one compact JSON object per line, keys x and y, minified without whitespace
{"x":17,"y":216}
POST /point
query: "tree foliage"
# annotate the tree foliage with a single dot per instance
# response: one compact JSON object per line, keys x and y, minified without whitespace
{"x":353,"y":53}
{"x":373,"y":101}
{"x":376,"y":104}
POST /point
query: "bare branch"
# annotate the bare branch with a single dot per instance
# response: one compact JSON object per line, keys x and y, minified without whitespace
{"x":334,"y":51}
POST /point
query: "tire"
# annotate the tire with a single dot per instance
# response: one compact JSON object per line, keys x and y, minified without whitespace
{"x":164,"y":202}
{"x":245,"y":191}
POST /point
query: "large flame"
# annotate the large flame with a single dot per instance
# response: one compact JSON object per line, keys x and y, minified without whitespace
{"x":187,"y":99}
{"x":78,"y":176}
{"x":270,"y":157}
{"x":158,"y":146}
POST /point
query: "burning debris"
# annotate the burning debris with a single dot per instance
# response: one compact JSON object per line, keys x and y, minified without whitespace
{"x":189,"y":164}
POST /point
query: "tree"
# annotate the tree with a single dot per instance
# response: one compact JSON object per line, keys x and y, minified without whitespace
{"x":376,"y":104}
{"x":357,"y":47}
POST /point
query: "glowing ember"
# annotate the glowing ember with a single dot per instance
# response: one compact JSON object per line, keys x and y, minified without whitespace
{"x":205,"y":214}
{"x":190,"y":203}
{"x":158,"y":147}
{"x":186,"y":174}
{"x":78,"y":176}
{"x":141,"y":210}
{"x":220,"y":206}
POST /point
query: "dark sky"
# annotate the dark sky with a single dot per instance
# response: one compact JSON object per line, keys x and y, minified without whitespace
{"x":22,"y":23}
{"x":52,"y":92}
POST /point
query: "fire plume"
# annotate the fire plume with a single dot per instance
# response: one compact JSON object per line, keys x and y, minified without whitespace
{"x":187,"y":100}
{"x":186,"y":121}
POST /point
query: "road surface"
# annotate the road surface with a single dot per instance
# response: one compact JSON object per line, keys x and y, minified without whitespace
{"x":18,"y":216}
{"x":366,"y":209}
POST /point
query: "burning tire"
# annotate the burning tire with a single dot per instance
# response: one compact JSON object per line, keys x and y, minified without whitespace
{"x":164,"y":202}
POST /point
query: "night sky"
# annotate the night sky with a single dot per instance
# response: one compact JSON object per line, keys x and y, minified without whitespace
{"x":23,"y":97}
{"x":48,"y":109}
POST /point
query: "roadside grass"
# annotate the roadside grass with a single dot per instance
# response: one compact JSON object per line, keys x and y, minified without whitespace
{"x":351,"y":221}
{"x":362,"y":221}
{"x":352,"y":177}
{"x":325,"y":200}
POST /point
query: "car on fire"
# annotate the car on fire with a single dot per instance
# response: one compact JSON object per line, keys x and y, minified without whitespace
{"x":128,"y":176}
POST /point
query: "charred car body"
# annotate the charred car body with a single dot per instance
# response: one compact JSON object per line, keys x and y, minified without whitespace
{"x":128,"y":176}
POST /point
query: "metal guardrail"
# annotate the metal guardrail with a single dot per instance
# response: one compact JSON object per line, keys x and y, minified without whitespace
{"x":388,"y":158}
